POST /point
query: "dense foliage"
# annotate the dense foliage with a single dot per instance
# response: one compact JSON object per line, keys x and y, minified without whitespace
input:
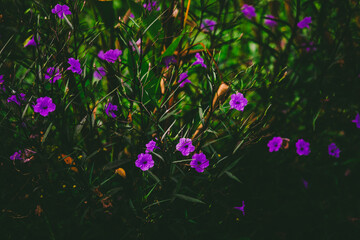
{"x":185,"y":118}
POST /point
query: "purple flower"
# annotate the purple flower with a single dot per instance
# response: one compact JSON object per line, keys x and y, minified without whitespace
{"x":75,"y":66}
{"x":32,"y":42}
{"x":144,"y":161}
{"x":183,"y":79}
{"x":309,"y":47}
{"x":357,"y":120}
{"x":199,"y":60}
{"x":241,"y":208}
{"x":110,"y":108}
{"x":16,"y":155}
{"x":334,"y":150}
{"x":169,"y":60}
{"x":14,"y":99}
{"x":269,"y":21}
{"x":248,"y":11}
{"x":151,"y":146}
{"x":199,"y":162}
{"x":304,"y":23}
{"x":238,"y":101}
{"x":44,"y":105}
{"x":52,"y":75}
{"x":110,"y":56}
{"x":2,"y":87}
{"x":275,"y":144}
{"x":208,"y":25}
{"x":150,"y":6}
{"x":132,"y":15}
{"x":61,"y":10}
{"x":99,"y":73}
{"x":185,"y":146}
{"x":302,"y":147}
{"x":306,"y":184}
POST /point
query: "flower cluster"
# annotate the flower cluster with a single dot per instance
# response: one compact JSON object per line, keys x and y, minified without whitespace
{"x":52,"y":75}
{"x":14,"y":98}
{"x":248,"y":11}
{"x":208,"y":25}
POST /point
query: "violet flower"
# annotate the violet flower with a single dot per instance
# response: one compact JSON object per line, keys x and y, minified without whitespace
{"x":150,"y":6}
{"x":52,"y":75}
{"x":238,"y":101}
{"x":357,"y":120}
{"x":2,"y":86}
{"x":99,"y":73}
{"x":32,"y":42}
{"x":269,"y":21}
{"x":44,"y":106}
{"x":242,"y":208}
{"x":208,"y":25}
{"x":199,"y":60}
{"x":334,"y":150}
{"x":275,"y":144}
{"x":151,"y":146}
{"x":61,"y":10}
{"x":75,"y":66}
{"x":110,"y":56}
{"x":302,"y":147}
{"x":144,"y":161}
{"x":248,"y":11}
{"x":110,"y":108}
{"x":169,"y":60}
{"x":304,"y":23}
{"x":199,"y":162}
{"x":16,"y":156}
{"x":183,"y":79}
{"x":13,"y":98}
{"x":185,"y":146}
{"x":306,"y":184}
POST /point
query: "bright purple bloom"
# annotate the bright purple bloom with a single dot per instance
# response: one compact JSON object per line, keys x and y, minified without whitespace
{"x":99,"y":73}
{"x":238,"y":101}
{"x":241,"y":208}
{"x":110,"y":56}
{"x":61,"y":10}
{"x":52,"y":74}
{"x":44,"y":105}
{"x":199,"y":60}
{"x":248,"y":11}
{"x":357,"y":120}
{"x":32,"y":42}
{"x":199,"y":162}
{"x":144,"y":161}
{"x":75,"y":66}
{"x":208,"y":25}
{"x":185,"y":146}
{"x":151,"y":146}
{"x":132,"y":15}
{"x":275,"y":144}
{"x":334,"y":150}
{"x":269,"y":21}
{"x":110,"y":108}
{"x":14,"y":99}
{"x":183,"y":79}
{"x":302,"y":147}
{"x":169,"y":60}
{"x":304,"y":23}
{"x":16,"y":155}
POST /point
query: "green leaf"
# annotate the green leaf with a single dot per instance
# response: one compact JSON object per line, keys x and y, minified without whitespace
{"x":171,"y":49}
{"x":135,"y":8}
{"x":232,"y":176}
{"x":189,"y":199}
{"x":46,"y":133}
